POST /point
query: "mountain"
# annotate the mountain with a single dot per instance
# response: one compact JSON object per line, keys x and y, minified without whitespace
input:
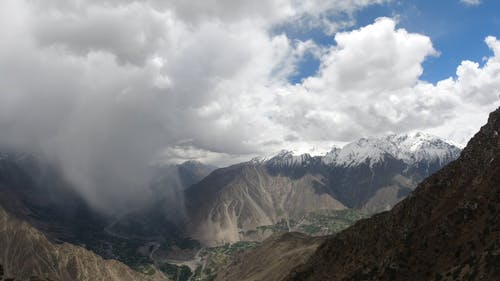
{"x":169,"y":181}
{"x":191,"y":172}
{"x":375,"y":173}
{"x":26,"y":254}
{"x":447,"y":229}
{"x":412,"y":149}
{"x":35,"y":191}
{"x":165,"y":212}
{"x":272,"y":259}
{"x":242,"y":197}
{"x":370,"y":174}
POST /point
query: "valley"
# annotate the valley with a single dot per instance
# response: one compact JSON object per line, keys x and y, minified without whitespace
{"x":188,"y":260}
{"x":234,"y":140}
{"x":229,"y":212}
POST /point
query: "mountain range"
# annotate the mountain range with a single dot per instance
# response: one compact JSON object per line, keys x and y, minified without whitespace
{"x":448,"y":228}
{"x":371,"y":174}
{"x":213,"y":206}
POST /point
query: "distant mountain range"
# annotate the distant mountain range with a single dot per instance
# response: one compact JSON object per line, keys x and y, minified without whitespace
{"x":371,"y":174}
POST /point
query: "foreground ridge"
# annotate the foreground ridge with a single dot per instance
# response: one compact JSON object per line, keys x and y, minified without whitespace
{"x":447,"y":229}
{"x":26,"y":254}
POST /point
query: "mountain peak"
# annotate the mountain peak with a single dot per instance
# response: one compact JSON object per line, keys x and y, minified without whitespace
{"x":287,"y":158}
{"x":410,"y":148}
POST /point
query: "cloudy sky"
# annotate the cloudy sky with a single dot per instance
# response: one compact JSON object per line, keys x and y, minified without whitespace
{"x":107,"y":87}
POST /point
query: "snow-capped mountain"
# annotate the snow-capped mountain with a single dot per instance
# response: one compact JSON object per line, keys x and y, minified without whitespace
{"x":371,"y":174}
{"x":287,"y":158}
{"x":410,"y":148}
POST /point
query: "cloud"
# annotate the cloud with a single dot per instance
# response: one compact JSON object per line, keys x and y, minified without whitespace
{"x":106,"y":89}
{"x":368,"y":84}
{"x":132,"y":33}
{"x":471,"y":2}
{"x":365,"y":85}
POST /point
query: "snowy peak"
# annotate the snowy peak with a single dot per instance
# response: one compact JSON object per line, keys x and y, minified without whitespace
{"x":420,"y":146}
{"x":365,"y":149}
{"x":331,"y":156}
{"x":410,"y":148}
{"x":287,"y":158}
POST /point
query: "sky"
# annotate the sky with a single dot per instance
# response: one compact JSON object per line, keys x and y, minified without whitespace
{"x":106,"y":88}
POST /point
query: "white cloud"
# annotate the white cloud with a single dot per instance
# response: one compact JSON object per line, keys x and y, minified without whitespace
{"x":368,"y":84}
{"x":106,"y":87}
{"x":471,"y":2}
{"x":365,"y":85}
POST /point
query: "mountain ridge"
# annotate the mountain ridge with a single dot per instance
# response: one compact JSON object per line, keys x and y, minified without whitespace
{"x":263,"y":191}
{"x":409,"y":148}
{"x":25,"y":253}
{"x":447,"y":229}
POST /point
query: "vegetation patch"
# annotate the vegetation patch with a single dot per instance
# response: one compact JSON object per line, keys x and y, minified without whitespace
{"x":316,"y":223}
{"x":174,"y":272}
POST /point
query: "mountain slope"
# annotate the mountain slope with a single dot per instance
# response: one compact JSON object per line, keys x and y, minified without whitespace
{"x":243,"y":197}
{"x":26,"y":253}
{"x":276,"y":256}
{"x":375,"y":173}
{"x":370,"y":174}
{"x":447,"y":229}
{"x":35,"y":191}
{"x":161,"y":217}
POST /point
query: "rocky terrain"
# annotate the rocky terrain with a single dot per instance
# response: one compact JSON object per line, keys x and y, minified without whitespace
{"x":447,"y":229}
{"x":26,"y":254}
{"x":245,"y":196}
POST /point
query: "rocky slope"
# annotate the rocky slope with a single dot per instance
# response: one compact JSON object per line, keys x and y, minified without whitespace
{"x":447,"y":229}
{"x":370,"y":174}
{"x":242,"y":197}
{"x":271,"y":260}
{"x":26,"y":254}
